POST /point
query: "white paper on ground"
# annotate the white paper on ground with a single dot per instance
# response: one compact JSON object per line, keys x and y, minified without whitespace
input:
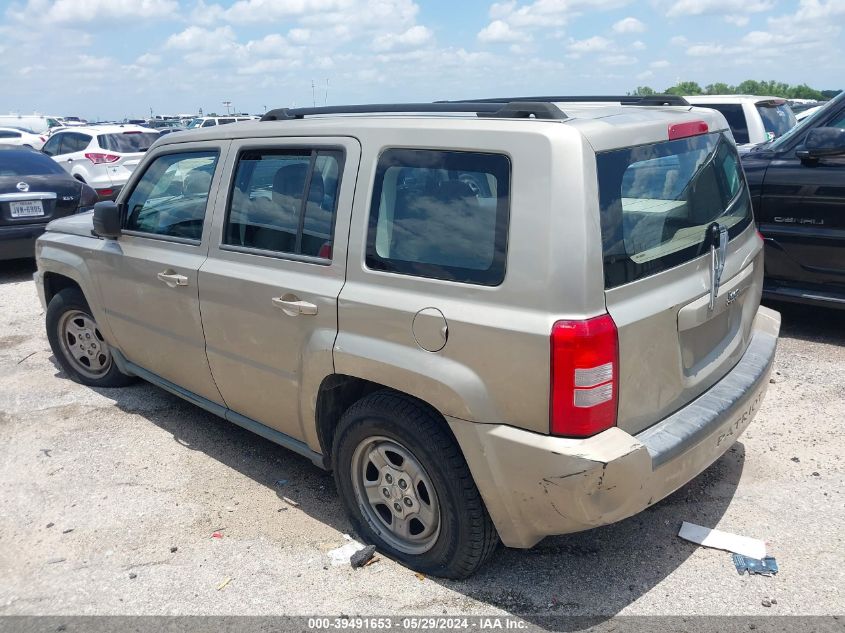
{"x":340,"y":555}
{"x":751,"y":547}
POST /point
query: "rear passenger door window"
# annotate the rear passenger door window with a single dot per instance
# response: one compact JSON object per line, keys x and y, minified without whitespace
{"x":171,"y":197}
{"x":441,"y":215}
{"x":284,"y":201}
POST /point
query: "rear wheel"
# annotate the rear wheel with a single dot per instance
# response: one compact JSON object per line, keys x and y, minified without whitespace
{"x":78,"y":344}
{"x":407,"y":487}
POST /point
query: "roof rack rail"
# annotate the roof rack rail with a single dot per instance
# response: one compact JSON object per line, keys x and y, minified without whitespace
{"x":500,"y":108}
{"x":650,"y":100}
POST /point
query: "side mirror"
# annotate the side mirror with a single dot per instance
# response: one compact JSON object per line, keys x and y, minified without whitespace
{"x":107,"y":219}
{"x":821,"y":142}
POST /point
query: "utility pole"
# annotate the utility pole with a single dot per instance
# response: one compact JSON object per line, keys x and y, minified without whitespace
{"x":227,"y":105}
{"x":313,"y":95}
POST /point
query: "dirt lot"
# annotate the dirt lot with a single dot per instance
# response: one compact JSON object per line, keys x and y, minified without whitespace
{"x":97,"y":488}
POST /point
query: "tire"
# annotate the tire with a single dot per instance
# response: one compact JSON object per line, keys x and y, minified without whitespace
{"x":70,"y":325}
{"x":410,"y":440}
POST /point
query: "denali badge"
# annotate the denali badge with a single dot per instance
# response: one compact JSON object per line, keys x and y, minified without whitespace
{"x":22,"y":186}
{"x":718,"y":236}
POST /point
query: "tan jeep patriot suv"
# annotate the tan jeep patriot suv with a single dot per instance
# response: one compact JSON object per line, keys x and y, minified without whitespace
{"x":492,"y":320}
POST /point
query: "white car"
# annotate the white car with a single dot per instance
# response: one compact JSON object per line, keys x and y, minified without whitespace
{"x":21,"y":136}
{"x":211,"y":121}
{"x":752,"y":119}
{"x":103,"y":156}
{"x":36,"y":122}
{"x":808,"y":112}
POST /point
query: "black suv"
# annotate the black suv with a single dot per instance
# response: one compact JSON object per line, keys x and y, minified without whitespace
{"x":797,"y":185}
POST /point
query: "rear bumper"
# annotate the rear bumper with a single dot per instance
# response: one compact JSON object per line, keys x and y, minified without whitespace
{"x":19,"y":241}
{"x":537,"y":485}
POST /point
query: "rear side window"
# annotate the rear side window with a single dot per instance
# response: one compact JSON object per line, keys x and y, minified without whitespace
{"x":26,"y":162}
{"x":736,"y":120}
{"x":172,"y":195}
{"x":285,"y":201}
{"x":127,"y":142}
{"x":9,"y":134}
{"x":74,"y":142}
{"x":777,"y":119}
{"x":440,"y":214}
{"x":657,"y":202}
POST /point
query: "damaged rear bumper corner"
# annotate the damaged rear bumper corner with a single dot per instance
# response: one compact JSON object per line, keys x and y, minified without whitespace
{"x":537,"y":485}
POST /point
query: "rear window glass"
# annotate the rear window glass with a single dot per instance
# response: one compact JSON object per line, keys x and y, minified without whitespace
{"x":657,"y":202}
{"x":777,"y":120}
{"x":27,"y":162}
{"x":736,"y":120}
{"x":127,"y":142}
{"x":442,"y":215}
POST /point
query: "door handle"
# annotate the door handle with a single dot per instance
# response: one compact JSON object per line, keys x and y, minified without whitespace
{"x":172,"y":279}
{"x":294,"y":306}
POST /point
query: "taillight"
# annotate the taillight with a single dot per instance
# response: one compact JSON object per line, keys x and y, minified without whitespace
{"x":99,"y":159}
{"x":584,"y":381}
{"x":325,"y":250}
{"x":105,"y":193}
{"x":684,"y":130}
{"x":43,"y":140}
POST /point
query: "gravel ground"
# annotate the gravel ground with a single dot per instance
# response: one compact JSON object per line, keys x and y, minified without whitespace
{"x":108,"y":502}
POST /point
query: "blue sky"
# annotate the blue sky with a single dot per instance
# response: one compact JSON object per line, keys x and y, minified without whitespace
{"x":117,"y":58}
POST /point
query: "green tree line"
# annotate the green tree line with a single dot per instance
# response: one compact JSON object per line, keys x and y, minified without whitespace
{"x":748,"y":87}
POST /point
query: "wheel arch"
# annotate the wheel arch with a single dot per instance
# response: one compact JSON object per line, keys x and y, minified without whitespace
{"x":338,"y":392}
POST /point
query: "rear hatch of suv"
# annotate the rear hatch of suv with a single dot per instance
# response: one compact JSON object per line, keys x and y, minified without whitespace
{"x":122,"y":152}
{"x":671,"y":210}
{"x":777,"y":117}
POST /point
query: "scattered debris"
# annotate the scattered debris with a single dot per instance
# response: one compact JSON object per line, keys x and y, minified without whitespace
{"x":372,"y":561}
{"x":223,"y":584}
{"x":47,"y":451}
{"x":217,"y":535}
{"x":284,"y":509}
{"x":419,"y":576}
{"x":25,"y":357}
{"x":174,"y":549}
{"x":67,"y":531}
{"x":796,"y":460}
{"x":766,"y":603}
{"x":771,"y":381}
{"x":362,"y":556}
{"x":51,"y":524}
{"x":751,"y":547}
{"x":133,"y":575}
{"x":343,"y":554}
{"x":53,"y":561}
{"x":766,"y":567}
{"x":281,"y":482}
{"x":290,"y":502}
{"x":816,"y":474}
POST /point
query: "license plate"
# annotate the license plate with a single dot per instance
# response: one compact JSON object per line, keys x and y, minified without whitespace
{"x":27,"y":209}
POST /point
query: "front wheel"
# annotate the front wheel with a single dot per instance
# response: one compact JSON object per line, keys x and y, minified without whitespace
{"x":78,"y":344}
{"x":408,"y":489}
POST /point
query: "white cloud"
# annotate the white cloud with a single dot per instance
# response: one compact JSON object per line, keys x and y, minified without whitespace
{"x":708,"y":7}
{"x":595,"y":44}
{"x":618,"y":60}
{"x":638,"y":45}
{"x":511,"y":20}
{"x":629,"y":25}
{"x":678,"y":40}
{"x":414,"y":37}
{"x":646,"y":74}
{"x":199,"y":38}
{"x":148,"y":59}
{"x":737,"y":20}
{"x":500,"y":31}
{"x":660,"y":63}
{"x":73,"y":12}
{"x":300,"y":36}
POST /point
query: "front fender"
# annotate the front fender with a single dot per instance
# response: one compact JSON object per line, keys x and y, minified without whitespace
{"x":59,"y":254}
